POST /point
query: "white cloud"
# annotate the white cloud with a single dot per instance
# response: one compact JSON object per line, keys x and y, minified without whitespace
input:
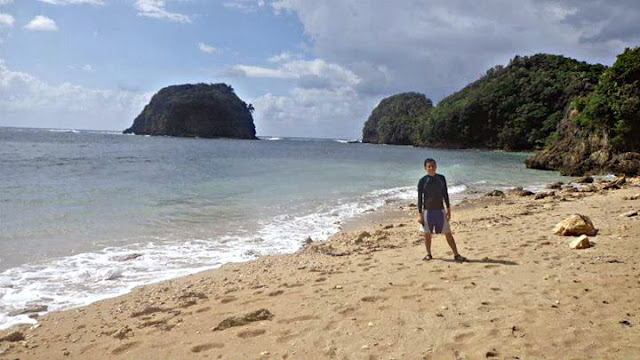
{"x":305,"y":71}
{"x":313,"y":113}
{"x":5,"y":2}
{"x":284,"y":56}
{"x":42,"y":23}
{"x":73,"y":2}
{"x":28,"y":101}
{"x":431,"y":46}
{"x":156,"y":9}
{"x":206,"y":48}
{"x":6,"y":20}
{"x":246,"y":6}
{"x":88,"y":68}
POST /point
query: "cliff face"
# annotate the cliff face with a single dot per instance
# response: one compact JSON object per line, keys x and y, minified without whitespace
{"x":200,"y":110}
{"x":578,"y":152}
{"x":601,"y":131}
{"x":394,"y":120}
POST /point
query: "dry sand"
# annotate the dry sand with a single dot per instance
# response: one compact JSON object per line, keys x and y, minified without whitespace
{"x":524,"y":294}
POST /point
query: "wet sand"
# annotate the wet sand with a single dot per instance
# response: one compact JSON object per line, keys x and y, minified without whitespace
{"x":366,"y":294}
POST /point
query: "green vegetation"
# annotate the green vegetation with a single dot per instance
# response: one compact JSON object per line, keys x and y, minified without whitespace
{"x":612,"y":110}
{"x":583,"y":118}
{"x":516,"y":107}
{"x":394,"y":121}
{"x":196,"y":110}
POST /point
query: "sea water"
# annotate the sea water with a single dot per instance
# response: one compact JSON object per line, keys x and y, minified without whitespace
{"x":86,"y":215}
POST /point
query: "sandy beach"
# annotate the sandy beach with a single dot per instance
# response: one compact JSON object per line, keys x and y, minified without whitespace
{"x":366,"y":294}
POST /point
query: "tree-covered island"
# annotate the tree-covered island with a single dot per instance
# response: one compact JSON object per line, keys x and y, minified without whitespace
{"x":196,"y":110}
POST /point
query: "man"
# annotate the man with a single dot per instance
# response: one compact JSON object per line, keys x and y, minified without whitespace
{"x":434,"y":217}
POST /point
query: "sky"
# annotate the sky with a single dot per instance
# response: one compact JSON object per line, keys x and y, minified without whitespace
{"x":310,"y":68}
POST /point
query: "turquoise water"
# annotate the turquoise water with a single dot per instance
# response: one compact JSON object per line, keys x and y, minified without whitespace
{"x":74,"y":203}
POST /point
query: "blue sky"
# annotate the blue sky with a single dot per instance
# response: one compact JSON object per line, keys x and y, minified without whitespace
{"x":310,"y":68}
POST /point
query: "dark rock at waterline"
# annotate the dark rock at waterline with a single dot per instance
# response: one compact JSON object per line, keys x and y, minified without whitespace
{"x":29,"y":310}
{"x":200,"y":110}
{"x":13,"y":337}
{"x":495,"y":193}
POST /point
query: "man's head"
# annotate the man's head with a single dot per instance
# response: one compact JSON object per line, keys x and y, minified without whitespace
{"x":430,"y":166}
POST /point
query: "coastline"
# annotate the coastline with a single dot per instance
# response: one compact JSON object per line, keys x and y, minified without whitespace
{"x":523,"y":294}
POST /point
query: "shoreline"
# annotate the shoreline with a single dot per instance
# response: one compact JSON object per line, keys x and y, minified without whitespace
{"x":357,"y":295}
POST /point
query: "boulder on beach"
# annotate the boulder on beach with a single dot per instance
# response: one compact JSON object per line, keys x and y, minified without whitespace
{"x":575,"y":225}
{"x":580,"y":243}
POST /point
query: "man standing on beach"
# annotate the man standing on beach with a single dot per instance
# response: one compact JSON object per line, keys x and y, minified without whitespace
{"x":433,"y":216}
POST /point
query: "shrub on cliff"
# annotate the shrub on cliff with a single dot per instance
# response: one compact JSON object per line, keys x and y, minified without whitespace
{"x":613,"y":108}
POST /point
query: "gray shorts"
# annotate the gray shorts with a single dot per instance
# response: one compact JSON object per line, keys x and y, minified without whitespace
{"x":435,"y":222}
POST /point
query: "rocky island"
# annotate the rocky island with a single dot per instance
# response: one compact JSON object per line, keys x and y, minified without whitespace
{"x":196,"y":110}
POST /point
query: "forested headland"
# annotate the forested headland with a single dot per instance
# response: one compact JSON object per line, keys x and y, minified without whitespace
{"x":581,"y":118}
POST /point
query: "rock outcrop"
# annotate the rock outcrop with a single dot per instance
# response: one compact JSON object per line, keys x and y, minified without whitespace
{"x":200,"y":110}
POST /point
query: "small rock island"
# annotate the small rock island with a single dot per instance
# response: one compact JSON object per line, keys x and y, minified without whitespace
{"x":196,"y":110}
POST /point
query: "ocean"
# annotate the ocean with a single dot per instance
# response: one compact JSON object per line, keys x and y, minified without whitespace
{"x":87,"y":215}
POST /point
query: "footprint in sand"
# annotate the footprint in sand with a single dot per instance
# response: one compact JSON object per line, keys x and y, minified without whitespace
{"x":205,"y":347}
{"x":124,"y":348}
{"x":298,"y":318}
{"x":276,"y":293}
{"x":245,"y":334}
{"x":373,"y":298}
{"x":228,"y":299}
{"x":463,"y":336}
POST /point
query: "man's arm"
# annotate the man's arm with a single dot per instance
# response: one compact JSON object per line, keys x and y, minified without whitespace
{"x":445,"y":196}
{"x":420,"y":197}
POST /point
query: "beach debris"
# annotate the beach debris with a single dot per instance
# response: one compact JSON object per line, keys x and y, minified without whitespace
{"x":616,"y":184}
{"x":258,"y":315}
{"x":580,"y":243}
{"x":308,"y":240}
{"x":495,"y":193}
{"x":147,"y":311}
{"x":588,"y":188}
{"x":542,"y":195}
{"x":13,"y":337}
{"x":363,"y":235}
{"x":555,"y":185}
{"x":123,"y":333}
{"x":629,"y":213}
{"x":575,"y":225}
{"x":390,"y":226}
{"x":29,"y":310}
{"x":492,"y":353}
{"x":625,"y":323}
{"x":338,"y":287}
{"x":519,"y":191}
{"x":632,"y":197}
{"x":584,"y":180}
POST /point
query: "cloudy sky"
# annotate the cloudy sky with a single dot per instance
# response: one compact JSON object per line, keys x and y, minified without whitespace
{"x":311,"y":68}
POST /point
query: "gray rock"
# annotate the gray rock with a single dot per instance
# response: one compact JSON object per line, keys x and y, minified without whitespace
{"x":495,"y":193}
{"x":29,"y":310}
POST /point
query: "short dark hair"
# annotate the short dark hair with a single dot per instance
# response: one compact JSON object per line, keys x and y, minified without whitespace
{"x":428,"y":160}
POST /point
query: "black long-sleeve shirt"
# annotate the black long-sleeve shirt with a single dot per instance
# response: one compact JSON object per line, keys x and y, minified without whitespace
{"x":432,"y":190}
